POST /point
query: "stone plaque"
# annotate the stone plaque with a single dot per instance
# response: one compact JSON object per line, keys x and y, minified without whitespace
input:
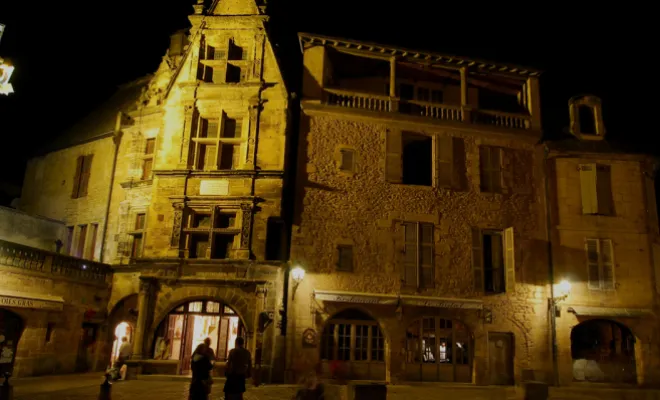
{"x":19,"y":302}
{"x":214,"y":187}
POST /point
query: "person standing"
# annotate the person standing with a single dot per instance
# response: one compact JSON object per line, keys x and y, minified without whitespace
{"x":125,"y":351}
{"x":201,"y":365}
{"x":239,"y":369}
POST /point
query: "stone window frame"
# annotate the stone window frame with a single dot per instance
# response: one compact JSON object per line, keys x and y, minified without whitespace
{"x":82,"y":176}
{"x":339,"y":160}
{"x":344,"y":245}
{"x":596,"y":193}
{"x":595,"y":104}
{"x":418,"y":225}
{"x":498,"y":184}
{"x":138,"y":231}
{"x":214,"y":54}
{"x":508,"y":259}
{"x":200,"y":120}
{"x":148,"y":158}
{"x":596,"y":245}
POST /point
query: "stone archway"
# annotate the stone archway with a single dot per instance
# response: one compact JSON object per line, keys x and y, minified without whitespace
{"x":11,"y":329}
{"x":603,"y":350}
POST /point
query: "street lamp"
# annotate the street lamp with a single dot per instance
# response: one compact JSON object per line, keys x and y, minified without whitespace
{"x":562,"y":290}
{"x":297,"y":275}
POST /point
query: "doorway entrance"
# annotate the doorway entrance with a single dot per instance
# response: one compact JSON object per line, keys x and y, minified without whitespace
{"x":500,"y":358}
{"x":123,"y":329}
{"x":188,"y":325}
{"x":11,"y":328}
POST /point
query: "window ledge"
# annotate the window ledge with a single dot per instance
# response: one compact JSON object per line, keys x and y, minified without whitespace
{"x":136,"y":183}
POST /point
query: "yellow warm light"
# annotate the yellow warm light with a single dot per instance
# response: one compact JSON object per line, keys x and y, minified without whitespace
{"x":5,"y":73}
{"x":298,"y":274}
{"x":563,"y":288}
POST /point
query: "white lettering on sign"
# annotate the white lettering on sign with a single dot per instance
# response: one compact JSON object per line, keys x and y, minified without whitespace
{"x":214,"y":187}
{"x":30,"y":303}
{"x":356,"y":299}
{"x":443,"y":304}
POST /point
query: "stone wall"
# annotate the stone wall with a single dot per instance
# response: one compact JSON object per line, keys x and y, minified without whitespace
{"x":33,"y":231}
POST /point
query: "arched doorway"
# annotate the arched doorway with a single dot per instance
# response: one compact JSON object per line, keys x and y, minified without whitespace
{"x":603,"y":351}
{"x":438,"y":350}
{"x":122,"y":330}
{"x":353,"y":347}
{"x":186,"y":327}
{"x":11,"y":328}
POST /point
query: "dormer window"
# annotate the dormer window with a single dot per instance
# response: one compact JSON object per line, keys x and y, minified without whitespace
{"x":586,"y":118}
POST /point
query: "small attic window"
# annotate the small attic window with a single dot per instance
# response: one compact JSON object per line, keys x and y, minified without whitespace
{"x":586,"y":120}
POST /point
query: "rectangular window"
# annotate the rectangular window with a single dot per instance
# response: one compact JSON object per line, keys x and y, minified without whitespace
{"x":208,"y":128}
{"x":207,"y":157}
{"x":417,"y":159}
{"x":596,"y":189}
{"x":210,"y":233}
{"x":347,"y":160}
{"x":236,"y":52}
{"x":136,"y":249}
{"x":49,"y":331}
{"x":600,"y":263}
{"x":81,"y":176}
{"x":82,"y":237}
{"x":232,"y":128}
{"x":69,"y":240}
{"x":234,"y":74}
{"x":92,"y":244}
{"x":140,"y":220}
{"x":345,"y":258}
{"x":229,"y":156}
{"x":148,"y":158}
{"x":418,"y":255}
{"x":493,"y":260}
{"x":490,"y":168}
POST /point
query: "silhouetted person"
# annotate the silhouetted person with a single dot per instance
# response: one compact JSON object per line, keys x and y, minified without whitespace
{"x":201,"y":365}
{"x":239,"y":368}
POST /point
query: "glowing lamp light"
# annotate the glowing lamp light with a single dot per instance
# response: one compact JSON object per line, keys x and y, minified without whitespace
{"x":298,"y":274}
{"x":5,"y":73}
{"x":562,"y":289}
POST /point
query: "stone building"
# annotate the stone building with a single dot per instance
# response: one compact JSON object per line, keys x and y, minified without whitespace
{"x":51,"y":304}
{"x":605,"y":241}
{"x":178,"y":182}
{"x":421,"y":216}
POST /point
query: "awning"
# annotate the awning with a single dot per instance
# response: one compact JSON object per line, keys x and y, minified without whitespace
{"x":388,"y":299}
{"x":609,"y":311}
{"x":354,"y":297}
{"x":442,"y":302}
{"x":9,"y":298}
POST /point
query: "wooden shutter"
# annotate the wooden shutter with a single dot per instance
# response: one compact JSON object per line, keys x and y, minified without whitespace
{"x":444,"y":161}
{"x":76,"y":177}
{"x":497,"y":178}
{"x":507,"y":164}
{"x":477,"y":260}
{"x":509,"y":260}
{"x":606,"y":253}
{"x":604,"y":199}
{"x":393,"y":153}
{"x":427,"y":278}
{"x":588,"y":188}
{"x":459,"y":168}
{"x":593,"y":268}
{"x":410,"y":254}
{"x":85,"y":175}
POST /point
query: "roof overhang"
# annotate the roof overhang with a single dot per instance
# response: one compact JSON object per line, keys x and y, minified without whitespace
{"x":416,"y":55}
{"x":587,"y":311}
{"x":389,"y":299}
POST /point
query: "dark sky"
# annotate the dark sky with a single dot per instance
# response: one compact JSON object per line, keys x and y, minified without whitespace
{"x":69,"y":56}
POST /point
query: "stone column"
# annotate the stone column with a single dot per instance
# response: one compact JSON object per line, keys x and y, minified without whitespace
{"x":251,"y":146}
{"x":534,"y":102}
{"x":394,"y":102}
{"x":243,"y":251}
{"x":144,"y":300}
{"x":465,"y":108}
{"x":186,"y":134}
{"x":256,"y":347}
{"x":177,"y":220}
{"x":258,"y":55}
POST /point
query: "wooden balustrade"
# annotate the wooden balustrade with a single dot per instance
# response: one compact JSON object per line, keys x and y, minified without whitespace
{"x":445,"y":112}
{"x":32,"y":259}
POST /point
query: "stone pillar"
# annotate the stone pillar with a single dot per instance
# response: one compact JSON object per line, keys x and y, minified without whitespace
{"x":257,"y":345}
{"x":243,"y":251}
{"x":534,"y":102}
{"x":186,"y":134}
{"x":253,"y":132}
{"x":177,"y":220}
{"x":258,"y":55}
{"x":464,"y":95}
{"x":144,"y":300}
{"x":394,"y":103}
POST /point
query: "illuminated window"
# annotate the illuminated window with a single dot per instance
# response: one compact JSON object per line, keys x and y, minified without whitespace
{"x":217,"y":143}
{"x":138,"y":235}
{"x":148,"y":158}
{"x":352,"y":336}
{"x":600,"y":263}
{"x":418,"y":255}
{"x":211,"y":233}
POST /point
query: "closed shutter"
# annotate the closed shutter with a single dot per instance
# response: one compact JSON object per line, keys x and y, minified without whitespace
{"x":459,"y":168}
{"x":607,"y":264}
{"x":604,"y":190}
{"x":410,"y":254}
{"x":509,"y":260}
{"x":593,"y":268}
{"x":427,"y":278}
{"x":588,"y":188}
{"x":477,"y":260}
{"x":393,"y":166}
{"x":85,"y":175}
{"x":76,"y":177}
{"x":445,"y":163}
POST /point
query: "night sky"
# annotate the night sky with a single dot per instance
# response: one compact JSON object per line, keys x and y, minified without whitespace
{"x":70,"y":56}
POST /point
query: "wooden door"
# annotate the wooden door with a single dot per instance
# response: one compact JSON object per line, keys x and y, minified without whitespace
{"x":500,"y":358}
{"x":186,"y":343}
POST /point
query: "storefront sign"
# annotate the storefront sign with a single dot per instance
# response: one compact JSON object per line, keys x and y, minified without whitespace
{"x":24,"y":302}
{"x":441,"y":303}
{"x":347,"y":297}
{"x":214,"y":187}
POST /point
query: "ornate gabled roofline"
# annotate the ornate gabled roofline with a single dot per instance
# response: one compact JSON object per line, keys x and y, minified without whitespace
{"x":417,"y":55}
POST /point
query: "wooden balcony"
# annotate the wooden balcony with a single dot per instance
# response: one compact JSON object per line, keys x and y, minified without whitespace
{"x":437,"y":111}
{"x":31,"y":259}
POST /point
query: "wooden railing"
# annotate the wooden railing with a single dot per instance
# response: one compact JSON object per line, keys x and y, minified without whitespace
{"x":439,"y":111}
{"x":31,"y":259}
{"x":362,"y":101}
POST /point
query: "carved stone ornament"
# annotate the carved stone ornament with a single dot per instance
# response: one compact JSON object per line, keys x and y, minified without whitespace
{"x":176,"y":225}
{"x":246,"y":210}
{"x":309,"y":338}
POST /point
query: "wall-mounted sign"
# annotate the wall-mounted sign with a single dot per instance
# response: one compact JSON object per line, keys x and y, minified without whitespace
{"x":441,"y":303}
{"x":214,"y":187}
{"x":10,"y":299}
{"x":309,"y":338}
{"x":348,"y":297}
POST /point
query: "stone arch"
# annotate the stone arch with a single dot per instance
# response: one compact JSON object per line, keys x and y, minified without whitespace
{"x":12,"y":325}
{"x":170,"y":298}
{"x":605,"y":350}
{"x":337,"y":308}
{"x":581,"y":106}
{"x":123,"y":310}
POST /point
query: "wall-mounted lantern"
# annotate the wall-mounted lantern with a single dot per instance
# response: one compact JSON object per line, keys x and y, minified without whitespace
{"x":297,"y":276}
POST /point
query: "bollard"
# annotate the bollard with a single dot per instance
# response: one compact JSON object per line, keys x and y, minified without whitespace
{"x":6,"y":390}
{"x":106,"y":389}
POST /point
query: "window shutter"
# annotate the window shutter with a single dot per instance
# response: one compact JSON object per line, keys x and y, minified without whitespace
{"x":427,"y":278}
{"x":410,"y":254}
{"x":477,"y":260}
{"x":393,"y":169}
{"x":588,"y":188}
{"x":509,"y":260}
{"x":607,"y":264}
{"x":76,"y":177}
{"x":459,"y":169}
{"x":604,"y":190}
{"x":593,"y":269}
{"x":85,"y":174}
{"x":445,"y":163}
{"x":496,"y":169}
{"x":507,"y":161}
